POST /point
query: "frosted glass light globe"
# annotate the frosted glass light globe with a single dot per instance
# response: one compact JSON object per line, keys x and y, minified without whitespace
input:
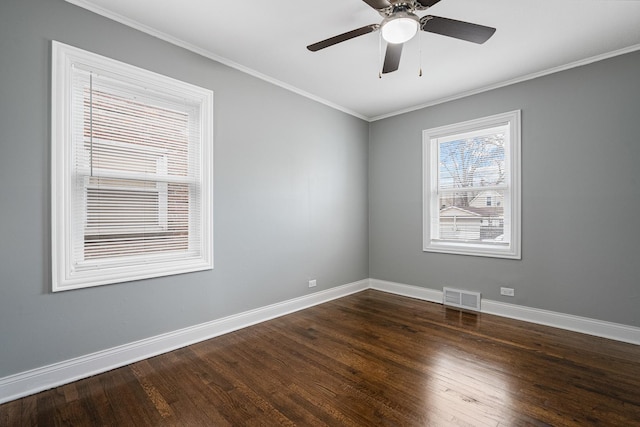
{"x":399,"y":27}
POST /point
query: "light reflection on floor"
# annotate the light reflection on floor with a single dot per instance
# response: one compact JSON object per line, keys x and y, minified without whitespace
{"x":463,"y":388}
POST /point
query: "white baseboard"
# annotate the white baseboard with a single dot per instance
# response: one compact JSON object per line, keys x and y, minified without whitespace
{"x":417,"y":292}
{"x":54,"y":375}
{"x":46,"y":377}
{"x":585,"y":325}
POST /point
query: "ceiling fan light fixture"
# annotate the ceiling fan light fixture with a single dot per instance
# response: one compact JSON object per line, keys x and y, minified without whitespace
{"x":399,"y":27}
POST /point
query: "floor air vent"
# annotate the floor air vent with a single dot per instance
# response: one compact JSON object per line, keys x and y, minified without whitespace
{"x":461,"y":299}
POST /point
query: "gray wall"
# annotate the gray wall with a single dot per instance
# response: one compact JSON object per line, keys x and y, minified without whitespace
{"x":290,"y":196}
{"x":581,"y":195}
{"x":293,"y":200}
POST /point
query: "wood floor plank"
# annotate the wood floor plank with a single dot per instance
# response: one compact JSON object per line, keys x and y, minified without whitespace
{"x":369,"y":359}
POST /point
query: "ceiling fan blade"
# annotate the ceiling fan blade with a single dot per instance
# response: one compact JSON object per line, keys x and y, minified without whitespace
{"x":427,"y":3}
{"x":343,"y":37}
{"x":392,"y":58}
{"x":378,"y":4}
{"x":457,"y":29}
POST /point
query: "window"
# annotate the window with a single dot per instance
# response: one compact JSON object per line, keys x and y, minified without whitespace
{"x":472,"y":187}
{"x":132,"y":159}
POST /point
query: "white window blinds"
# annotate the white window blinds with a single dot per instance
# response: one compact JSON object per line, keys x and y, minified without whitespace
{"x":138,"y":176}
{"x":137,"y":172}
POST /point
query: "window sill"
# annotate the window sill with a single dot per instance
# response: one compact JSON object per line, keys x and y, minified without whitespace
{"x":473,"y":249}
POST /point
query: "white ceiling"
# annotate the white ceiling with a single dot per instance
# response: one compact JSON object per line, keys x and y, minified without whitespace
{"x":268,"y":39}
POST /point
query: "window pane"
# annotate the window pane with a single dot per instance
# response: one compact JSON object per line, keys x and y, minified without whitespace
{"x":475,"y":221}
{"x":134,"y":136}
{"x":131,"y":135}
{"x":469,"y":169}
{"x":131,"y":217}
{"x":472,"y":162}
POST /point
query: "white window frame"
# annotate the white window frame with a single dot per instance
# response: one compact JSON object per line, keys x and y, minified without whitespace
{"x":431,"y":209}
{"x":67,"y":271}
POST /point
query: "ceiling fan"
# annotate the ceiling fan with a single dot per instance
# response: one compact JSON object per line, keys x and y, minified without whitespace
{"x":400,"y":24}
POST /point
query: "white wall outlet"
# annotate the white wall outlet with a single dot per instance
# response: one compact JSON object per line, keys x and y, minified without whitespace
{"x":312,"y":283}
{"x":507,"y":291}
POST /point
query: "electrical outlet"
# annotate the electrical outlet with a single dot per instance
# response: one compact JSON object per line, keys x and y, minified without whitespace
{"x":312,"y":283}
{"x":507,"y":292}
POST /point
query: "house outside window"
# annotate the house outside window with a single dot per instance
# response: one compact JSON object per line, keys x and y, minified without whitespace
{"x":131,"y":172}
{"x":471,"y":187}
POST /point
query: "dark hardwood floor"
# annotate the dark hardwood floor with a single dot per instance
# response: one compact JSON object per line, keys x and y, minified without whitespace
{"x":369,"y":359}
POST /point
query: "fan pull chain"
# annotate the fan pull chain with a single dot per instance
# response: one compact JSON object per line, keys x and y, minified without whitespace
{"x":420,"y":55}
{"x":379,"y":54}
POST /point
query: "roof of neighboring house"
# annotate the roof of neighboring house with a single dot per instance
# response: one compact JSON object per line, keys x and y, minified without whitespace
{"x":496,"y":211}
{"x":466,"y":211}
{"x":487,"y":210}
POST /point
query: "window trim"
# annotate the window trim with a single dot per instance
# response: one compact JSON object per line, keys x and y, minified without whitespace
{"x":430,"y":177}
{"x":64,"y":275}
